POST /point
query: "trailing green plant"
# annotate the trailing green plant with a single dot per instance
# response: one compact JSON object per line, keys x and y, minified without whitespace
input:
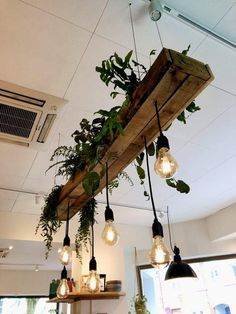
{"x":86,"y":220}
{"x":139,"y":305}
{"x":49,"y":223}
{"x":91,"y":142}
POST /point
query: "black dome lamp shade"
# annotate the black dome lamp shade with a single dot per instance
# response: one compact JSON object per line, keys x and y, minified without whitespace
{"x":179,"y":269}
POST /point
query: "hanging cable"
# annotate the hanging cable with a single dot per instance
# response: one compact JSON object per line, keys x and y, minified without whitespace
{"x":158,"y":118}
{"x":169,"y":231}
{"x":149,"y":180}
{"x":134,"y":40}
{"x":92,"y":239}
{"x":107,"y":190}
{"x":68,"y":218}
{"x":159,"y":35}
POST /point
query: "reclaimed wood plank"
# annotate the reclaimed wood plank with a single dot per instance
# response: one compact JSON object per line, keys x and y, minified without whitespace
{"x":173,"y":81}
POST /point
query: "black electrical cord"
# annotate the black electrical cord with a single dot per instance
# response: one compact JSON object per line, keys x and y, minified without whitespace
{"x":92,"y":240}
{"x":158,"y":118}
{"x":169,"y":231}
{"x":67,"y":219}
{"x":149,"y":180}
{"x":107,"y":191}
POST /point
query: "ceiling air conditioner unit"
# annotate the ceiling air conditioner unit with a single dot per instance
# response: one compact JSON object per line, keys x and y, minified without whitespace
{"x":27,"y":116}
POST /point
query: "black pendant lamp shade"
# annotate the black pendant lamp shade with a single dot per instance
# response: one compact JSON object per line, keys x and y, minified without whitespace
{"x":179,"y":269}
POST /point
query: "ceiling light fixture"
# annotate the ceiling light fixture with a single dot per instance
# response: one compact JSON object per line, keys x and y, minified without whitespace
{"x":63,"y":289}
{"x":155,"y":10}
{"x":165,"y":165}
{"x":66,"y":253}
{"x":109,"y":234}
{"x":177,"y":268}
{"x":93,"y":281}
{"x":159,"y":255}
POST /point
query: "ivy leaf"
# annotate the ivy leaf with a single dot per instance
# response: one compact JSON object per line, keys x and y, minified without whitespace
{"x":182,"y":117}
{"x":193,"y":107}
{"x":151,"y":149}
{"x":145,"y":193}
{"x":171,"y":182}
{"x":185,"y":51}
{"x":141,"y":172}
{"x":140,"y":158}
{"x":91,"y":183}
{"x":152,"y":52}
{"x":128,"y":56}
{"x":114,"y":94}
{"x":182,"y":187}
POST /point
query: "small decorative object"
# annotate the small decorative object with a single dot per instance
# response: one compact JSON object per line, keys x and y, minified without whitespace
{"x":113,"y":286}
{"x":102,"y":282}
{"x":84,"y":279}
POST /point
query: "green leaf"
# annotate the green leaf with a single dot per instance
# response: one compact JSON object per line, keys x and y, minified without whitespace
{"x":151,"y":149}
{"x":91,"y":183}
{"x":145,"y":193}
{"x":140,"y":158}
{"x":182,"y":117}
{"x":114,"y":94}
{"x":185,"y":52}
{"x":141,"y":172}
{"x":182,"y":187}
{"x":193,"y":107}
{"x":128,"y":56}
{"x":171,"y":182}
{"x":152,"y":52}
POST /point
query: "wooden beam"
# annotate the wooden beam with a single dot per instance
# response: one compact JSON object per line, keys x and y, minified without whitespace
{"x":173,"y":81}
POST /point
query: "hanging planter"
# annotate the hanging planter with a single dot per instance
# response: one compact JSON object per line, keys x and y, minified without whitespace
{"x":173,"y":82}
{"x":116,"y":138}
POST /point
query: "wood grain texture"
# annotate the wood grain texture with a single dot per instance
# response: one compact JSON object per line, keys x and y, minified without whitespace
{"x":173,"y":81}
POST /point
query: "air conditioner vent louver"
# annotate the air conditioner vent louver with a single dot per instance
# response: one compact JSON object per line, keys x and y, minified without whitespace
{"x":27,"y":117}
{"x":16,"y":121}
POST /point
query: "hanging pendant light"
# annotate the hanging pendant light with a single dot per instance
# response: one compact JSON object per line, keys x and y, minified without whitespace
{"x":165,"y":165}
{"x":179,"y":269}
{"x":159,"y":255}
{"x":63,"y":289}
{"x":65,"y":253}
{"x":109,"y":234}
{"x":93,"y":281}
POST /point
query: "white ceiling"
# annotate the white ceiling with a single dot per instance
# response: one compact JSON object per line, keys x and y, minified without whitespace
{"x":53,"y":46}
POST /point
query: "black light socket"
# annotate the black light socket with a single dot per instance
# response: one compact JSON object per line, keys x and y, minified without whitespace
{"x":92,"y":264}
{"x":177,"y":257}
{"x":157,"y":229}
{"x":109,"y":214}
{"x":162,"y":141}
{"x":64,"y":273}
{"x":66,"y":241}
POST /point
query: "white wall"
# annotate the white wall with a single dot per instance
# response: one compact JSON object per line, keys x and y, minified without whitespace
{"x":25,"y":282}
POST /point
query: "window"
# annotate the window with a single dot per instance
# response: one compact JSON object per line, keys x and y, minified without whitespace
{"x":27,"y":305}
{"x":212,"y":292}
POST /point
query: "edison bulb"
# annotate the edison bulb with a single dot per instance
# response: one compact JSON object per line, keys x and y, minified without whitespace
{"x":165,"y":164}
{"x":109,"y":234}
{"x":65,"y":255}
{"x":159,"y":255}
{"x":93,"y":281}
{"x":63,"y":289}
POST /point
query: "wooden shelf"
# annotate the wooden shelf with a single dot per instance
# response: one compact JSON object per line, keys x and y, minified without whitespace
{"x":173,"y":81}
{"x":80,"y":296}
